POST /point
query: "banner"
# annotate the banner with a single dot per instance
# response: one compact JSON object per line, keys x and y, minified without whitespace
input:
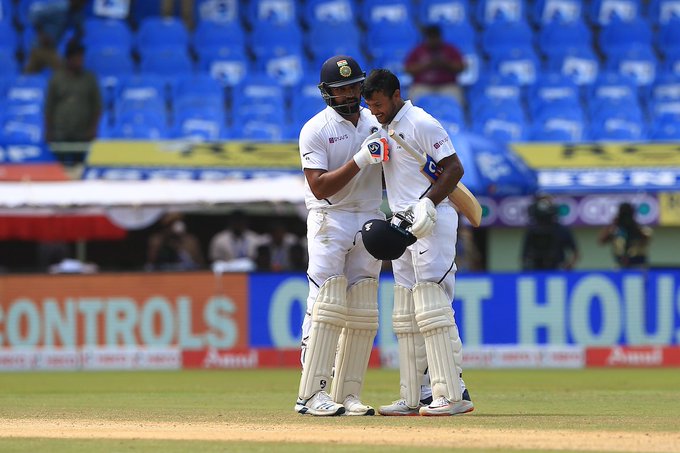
{"x":117,"y":159}
{"x":20,"y":162}
{"x":187,"y":310}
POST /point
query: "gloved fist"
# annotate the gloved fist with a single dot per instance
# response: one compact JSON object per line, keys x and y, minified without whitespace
{"x":373,"y":151}
{"x":424,"y":218}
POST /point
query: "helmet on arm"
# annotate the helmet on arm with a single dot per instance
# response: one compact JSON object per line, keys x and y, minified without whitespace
{"x":339,"y":71}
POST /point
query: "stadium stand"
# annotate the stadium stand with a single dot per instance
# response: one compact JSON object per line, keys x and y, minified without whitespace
{"x":564,"y":66}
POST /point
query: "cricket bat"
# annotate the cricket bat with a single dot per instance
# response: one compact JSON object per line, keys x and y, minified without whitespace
{"x":461,"y":195}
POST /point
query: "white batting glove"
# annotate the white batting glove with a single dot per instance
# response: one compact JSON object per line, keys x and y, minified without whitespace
{"x":373,"y":151}
{"x":424,"y":218}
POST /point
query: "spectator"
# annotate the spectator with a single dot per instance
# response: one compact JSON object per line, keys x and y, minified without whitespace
{"x":548,"y":245}
{"x":629,"y":240}
{"x":73,"y":104}
{"x":468,"y":256}
{"x":280,"y":242}
{"x":51,"y":19}
{"x":434,"y":66}
{"x":235,"y":248}
{"x":173,"y":248}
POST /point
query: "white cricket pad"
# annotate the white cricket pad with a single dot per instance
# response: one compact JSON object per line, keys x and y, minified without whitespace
{"x":412,"y":357}
{"x":442,"y":342}
{"x":356,"y":341}
{"x":328,"y":319}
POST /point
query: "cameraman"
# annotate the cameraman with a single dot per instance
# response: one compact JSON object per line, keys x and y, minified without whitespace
{"x":548,"y":245}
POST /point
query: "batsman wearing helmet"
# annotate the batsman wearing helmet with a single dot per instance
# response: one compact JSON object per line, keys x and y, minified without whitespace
{"x":423,"y":319}
{"x":339,"y":147}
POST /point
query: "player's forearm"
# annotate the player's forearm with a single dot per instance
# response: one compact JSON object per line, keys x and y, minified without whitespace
{"x":452,"y":172}
{"x":329,"y":183}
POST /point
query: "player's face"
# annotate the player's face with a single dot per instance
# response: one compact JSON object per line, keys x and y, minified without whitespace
{"x":384,"y":107}
{"x":347,"y":98}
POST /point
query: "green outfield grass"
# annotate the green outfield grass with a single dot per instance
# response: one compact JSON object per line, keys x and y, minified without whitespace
{"x":640,"y":400}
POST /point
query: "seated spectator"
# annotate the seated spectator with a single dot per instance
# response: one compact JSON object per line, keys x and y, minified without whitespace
{"x":173,"y":248}
{"x":73,"y":104}
{"x":434,"y":66}
{"x":236,"y":245}
{"x":280,"y":242}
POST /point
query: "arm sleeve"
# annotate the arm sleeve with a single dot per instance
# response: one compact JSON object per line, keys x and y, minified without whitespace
{"x":434,"y":140}
{"x":312,"y":150}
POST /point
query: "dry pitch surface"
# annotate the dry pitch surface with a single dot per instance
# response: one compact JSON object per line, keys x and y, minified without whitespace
{"x":559,"y":411}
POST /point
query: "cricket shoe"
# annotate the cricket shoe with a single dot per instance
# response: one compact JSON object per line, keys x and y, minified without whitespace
{"x":399,"y":408}
{"x":443,"y":406}
{"x":321,"y":404}
{"x":354,"y":406}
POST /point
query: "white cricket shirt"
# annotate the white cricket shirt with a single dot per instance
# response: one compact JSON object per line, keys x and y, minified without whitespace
{"x":327,"y":142}
{"x":404,"y":182}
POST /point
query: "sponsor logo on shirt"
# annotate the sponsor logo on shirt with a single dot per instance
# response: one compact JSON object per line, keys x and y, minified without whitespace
{"x":338,"y":138}
{"x":440,"y":143}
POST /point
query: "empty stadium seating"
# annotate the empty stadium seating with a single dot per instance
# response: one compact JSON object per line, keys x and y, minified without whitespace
{"x":551,"y":69}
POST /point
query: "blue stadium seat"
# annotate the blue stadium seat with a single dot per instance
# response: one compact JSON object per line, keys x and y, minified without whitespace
{"x":108,"y":9}
{"x":8,"y":37}
{"x":558,"y":38}
{"x":22,"y":128}
{"x":501,"y":37}
{"x":281,"y":12}
{"x":210,"y":34}
{"x":665,"y":130}
{"x":579,"y":64}
{"x":272,"y":130}
{"x":392,"y":12}
{"x":109,"y":61}
{"x":671,"y":62}
{"x":307,"y":100}
{"x":168,"y":61}
{"x":107,"y":33}
{"x":26,"y":90}
{"x":554,"y":92}
{"x":494,"y":107}
{"x":141,"y":10}
{"x":663,"y":11}
{"x":613,"y":86}
{"x":444,"y":12}
{"x":6,"y":11}
{"x":444,"y":108}
{"x":329,"y":12}
{"x":397,"y":37}
{"x":559,"y":11}
{"x":268,"y":39}
{"x":8,"y":62}
{"x":228,"y":65}
{"x":666,"y":87}
{"x":559,"y":124}
{"x":200,"y":124}
{"x":201,"y":86}
{"x":494,"y":87}
{"x":461,"y":35}
{"x":162,"y":32}
{"x":322,"y":40}
{"x":521,"y":63}
{"x":140,"y":125}
{"x":638,"y":62}
{"x":504,"y":127}
{"x":491,"y":11}
{"x":258,"y":97}
{"x":618,"y":35}
{"x":603,"y":12}
{"x":618,"y":124}
{"x":668,"y":38}
{"x":143,"y":88}
{"x":219,"y":11}
{"x":285,"y":66}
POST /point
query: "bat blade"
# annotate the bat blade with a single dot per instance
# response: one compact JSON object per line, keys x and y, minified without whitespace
{"x":461,"y":196}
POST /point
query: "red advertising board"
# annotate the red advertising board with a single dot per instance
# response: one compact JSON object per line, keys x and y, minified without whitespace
{"x":184,"y":310}
{"x":633,"y":356}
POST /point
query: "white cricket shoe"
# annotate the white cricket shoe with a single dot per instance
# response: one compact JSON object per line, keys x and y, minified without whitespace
{"x":442,"y":406}
{"x":399,"y":408}
{"x":321,"y":404}
{"x":354,"y":406}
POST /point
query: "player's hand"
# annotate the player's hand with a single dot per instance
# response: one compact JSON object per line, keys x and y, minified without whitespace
{"x":424,"y":218}
{"x":373,"y":151}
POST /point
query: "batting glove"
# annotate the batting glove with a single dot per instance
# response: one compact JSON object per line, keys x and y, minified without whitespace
{"x":424,"y":218}
{"x":373,"y":151}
